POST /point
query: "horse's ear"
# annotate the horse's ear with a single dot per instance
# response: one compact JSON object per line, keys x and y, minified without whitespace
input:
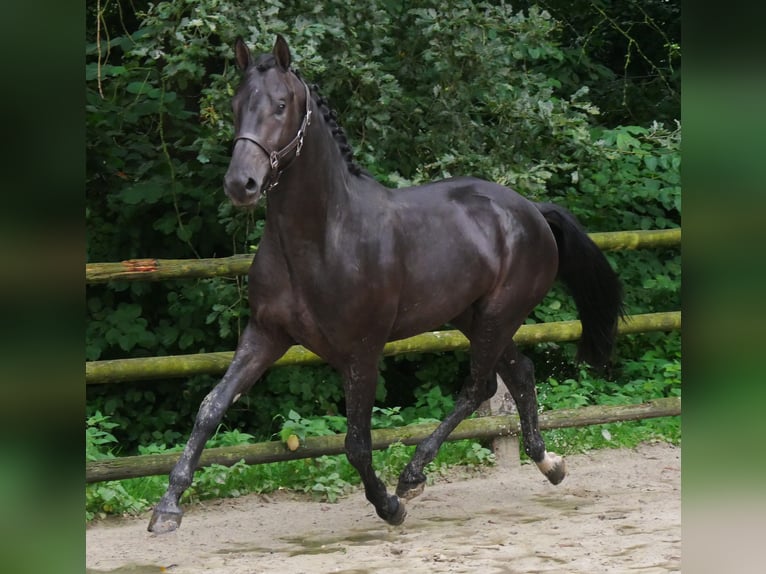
{"x":242,"y":53}
{"x":282,"y":53}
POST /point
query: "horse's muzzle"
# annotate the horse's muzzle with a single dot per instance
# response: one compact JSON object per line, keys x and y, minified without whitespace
{"x":242,"y":189}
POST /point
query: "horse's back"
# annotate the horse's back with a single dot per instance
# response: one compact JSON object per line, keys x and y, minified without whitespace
{"x":463,"y":240}
{"x":472,"y":214}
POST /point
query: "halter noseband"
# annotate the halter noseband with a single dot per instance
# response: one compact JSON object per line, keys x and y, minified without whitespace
{"x":276,"y":158}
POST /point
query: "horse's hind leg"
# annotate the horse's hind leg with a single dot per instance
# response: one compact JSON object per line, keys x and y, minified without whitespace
{"x":486,"y":348}
{"x":255,"y":353}
{"x":518,"y":373}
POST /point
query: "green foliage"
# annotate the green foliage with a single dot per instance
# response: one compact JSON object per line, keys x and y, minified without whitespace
{"x":636,"y":181}
{"x":111,"y":497}
{"x":320,"y":387}
{"x":383,"y":418}
{"x":430,"y":403}
{"x":424,"y":383}
{"x":656,"y":374}
{"x":628,"y":52}
{"x":302,"y":427}
{"x":98,"y":438}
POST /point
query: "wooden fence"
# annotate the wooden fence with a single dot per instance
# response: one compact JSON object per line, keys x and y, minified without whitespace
{"x":114,"y":371}
{"x":488,"y":427}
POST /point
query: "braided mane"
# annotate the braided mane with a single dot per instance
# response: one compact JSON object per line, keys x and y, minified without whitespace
{"x":331,"y":117}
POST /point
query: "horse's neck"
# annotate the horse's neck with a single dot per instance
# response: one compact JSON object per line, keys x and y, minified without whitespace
{"x":312,"y":192}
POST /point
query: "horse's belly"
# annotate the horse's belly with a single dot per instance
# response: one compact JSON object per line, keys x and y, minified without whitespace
{"x":432,"y":308}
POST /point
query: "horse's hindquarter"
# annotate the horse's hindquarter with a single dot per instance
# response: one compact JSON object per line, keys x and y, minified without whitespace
{"x":460,"y":241}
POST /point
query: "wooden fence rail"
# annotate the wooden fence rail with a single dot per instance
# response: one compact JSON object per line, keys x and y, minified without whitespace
{"x":160,"y":269}
{"x":487,"y":427}
{"x":176,"y":366}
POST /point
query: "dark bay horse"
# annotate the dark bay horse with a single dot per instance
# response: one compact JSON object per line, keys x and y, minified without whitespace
{"x":345,"y":265}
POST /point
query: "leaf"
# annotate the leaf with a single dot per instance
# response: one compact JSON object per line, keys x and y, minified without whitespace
{"x":107,"y":70}
{"x":149,"y":192}
{"x":651,"y":162}
{"x":136,"y":87}
{"x":294,"y":416}
{"x":167,"y":223}
{"x":638,"y":130}
{"x":126,"y":313}
{"x":184,"y":233}
{"x":625,"y":141}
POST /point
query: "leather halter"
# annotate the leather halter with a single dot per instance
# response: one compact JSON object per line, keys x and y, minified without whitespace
{"x":276,"y":158}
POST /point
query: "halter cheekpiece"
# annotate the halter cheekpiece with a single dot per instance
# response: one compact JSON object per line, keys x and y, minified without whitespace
{"x":277,"y":158}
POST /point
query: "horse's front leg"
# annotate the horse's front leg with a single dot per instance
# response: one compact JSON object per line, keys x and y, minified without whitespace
{"x":256,"y":351}
{"x":360,"y":396}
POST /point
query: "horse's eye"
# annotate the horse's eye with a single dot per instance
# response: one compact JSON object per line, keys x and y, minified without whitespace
{"x":281,"y":108}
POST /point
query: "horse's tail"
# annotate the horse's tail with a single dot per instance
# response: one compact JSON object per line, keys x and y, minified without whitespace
{"x":592,"y":283}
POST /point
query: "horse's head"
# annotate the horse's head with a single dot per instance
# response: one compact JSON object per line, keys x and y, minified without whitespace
{"x":271,"y":113}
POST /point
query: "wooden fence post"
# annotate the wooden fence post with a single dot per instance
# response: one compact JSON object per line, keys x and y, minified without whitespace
{"x":506,"y":448}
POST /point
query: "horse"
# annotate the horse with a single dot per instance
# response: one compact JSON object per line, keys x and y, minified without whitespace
{"x":346,"y":264}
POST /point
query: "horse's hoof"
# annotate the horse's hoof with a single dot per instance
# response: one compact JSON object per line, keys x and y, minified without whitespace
{"x":410,"y":484}
{"x":164,"y":521}
{"x":408,"y":492}
{"x":553,"y":467}
{"x":399,"y":514}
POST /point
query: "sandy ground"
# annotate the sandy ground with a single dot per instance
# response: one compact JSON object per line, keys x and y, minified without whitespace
{"x":617,"y":511}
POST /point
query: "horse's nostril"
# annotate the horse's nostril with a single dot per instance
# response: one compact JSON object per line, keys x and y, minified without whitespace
{"x":250,"y":185}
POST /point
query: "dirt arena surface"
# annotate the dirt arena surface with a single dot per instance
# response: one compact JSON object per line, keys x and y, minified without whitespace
{"x":617,"y":511}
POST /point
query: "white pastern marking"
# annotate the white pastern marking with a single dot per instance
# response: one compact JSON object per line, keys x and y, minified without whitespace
{"x":548,"y":463}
